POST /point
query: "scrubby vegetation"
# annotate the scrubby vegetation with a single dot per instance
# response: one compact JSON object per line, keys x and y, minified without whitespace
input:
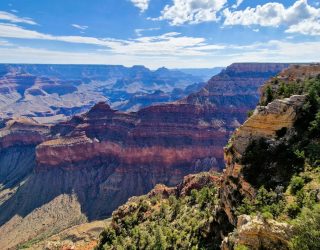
{"x":307,"y":229}
{"x":161,"y":223}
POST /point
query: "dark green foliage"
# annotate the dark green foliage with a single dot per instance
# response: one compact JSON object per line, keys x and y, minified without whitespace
{"x":296,"y":184}
{"x":268,"y":203}
{"x":307,"y":230}
{"x":173,"y":223}
{"x":293,"y":210}
{"x":270,"y":165}
{"x":269,"y":95}
{"x":107,"y":236}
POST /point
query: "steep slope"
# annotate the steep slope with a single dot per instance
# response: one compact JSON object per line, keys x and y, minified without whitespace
{"x":268,"y":196}
{"x":103,"y":157}
{"x":18,"y":141}
{"x":81,"y":237}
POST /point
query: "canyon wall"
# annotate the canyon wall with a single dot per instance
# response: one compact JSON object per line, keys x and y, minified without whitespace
{"x":103,"y":157}
{"x":258,"y":205}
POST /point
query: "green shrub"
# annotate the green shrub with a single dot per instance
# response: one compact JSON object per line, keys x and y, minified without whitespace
{"x":306,"y":230}
{"x":296,"y":184}
{"x":172,"y":223}
{"x":267,"y":215}
{"x":241,"y":247}
{"x":269,"y":203}
{"x":269,"y":95}
{"x":250,"y":113}
{"x":293,"y":210}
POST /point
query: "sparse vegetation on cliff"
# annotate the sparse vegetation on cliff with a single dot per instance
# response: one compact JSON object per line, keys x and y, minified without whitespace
{"x":159,"y":222}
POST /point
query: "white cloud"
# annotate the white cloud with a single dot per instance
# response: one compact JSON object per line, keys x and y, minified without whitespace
{"x":191,"y":11}
{"x":275,"y":14}
{"x":143,"y":5}
{"x":299,"y":18}
{"x":167,"y":44}
{"x":271,"y":14}
{"x":306,"y":27}
{"x":80,"y":27}
{"x":15,"y":31}
{"x":15,"y":19}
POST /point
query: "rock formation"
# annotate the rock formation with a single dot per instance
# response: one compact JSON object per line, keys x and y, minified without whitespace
{"x":104,"y":156}
{"x":271,"y":178}
{"x":257,"y":233}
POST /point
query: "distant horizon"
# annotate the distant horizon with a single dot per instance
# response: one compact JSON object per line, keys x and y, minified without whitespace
{"x":173,"y":33}
{"x":154,"y":69}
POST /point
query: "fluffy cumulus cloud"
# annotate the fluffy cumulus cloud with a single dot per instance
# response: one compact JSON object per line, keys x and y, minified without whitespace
{"x":300,"y":17}
{"x":306,"y":27}
{"x":191,"y":11}
{"x":15,"y":19}
{"x":143,"y":5}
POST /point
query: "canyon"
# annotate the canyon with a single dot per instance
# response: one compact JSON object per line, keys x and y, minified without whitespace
{"x":255,"y":203}
{"x":90,"y":164}
{"x":51,"y":93}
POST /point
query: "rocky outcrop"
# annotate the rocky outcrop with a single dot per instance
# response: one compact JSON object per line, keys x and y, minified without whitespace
{"x":257,"y":233}
{"x":269,"y":123}
{"x":264,"y":123}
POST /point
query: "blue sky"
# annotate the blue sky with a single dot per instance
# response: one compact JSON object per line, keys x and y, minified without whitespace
{"x":155,"y":33}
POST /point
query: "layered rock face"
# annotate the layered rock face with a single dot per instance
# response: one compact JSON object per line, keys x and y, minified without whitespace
{"x":191,"y":131}
{"x":105,"y":156}
{"x":18,"y":140}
